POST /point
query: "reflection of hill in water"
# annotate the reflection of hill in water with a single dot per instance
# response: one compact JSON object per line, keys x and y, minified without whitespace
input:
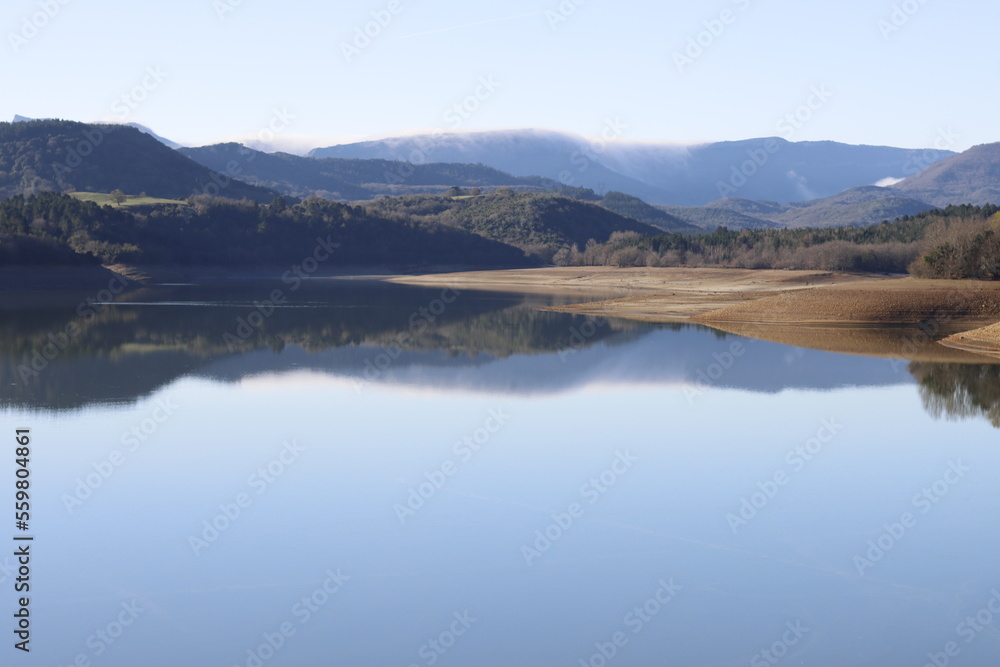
{"x":960,"y":391}
{"x":481,"y":342}
{"x":155,"y":336}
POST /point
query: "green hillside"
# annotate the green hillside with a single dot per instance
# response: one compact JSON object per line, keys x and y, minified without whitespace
{"x":108,"y":199}
{"x":539,"y":224}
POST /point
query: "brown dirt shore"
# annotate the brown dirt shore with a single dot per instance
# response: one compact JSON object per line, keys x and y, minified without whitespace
{"x":858,"y":314}
{"x":896,"y":301}
{"x":985,"y":340}
{"x":658,"y":294}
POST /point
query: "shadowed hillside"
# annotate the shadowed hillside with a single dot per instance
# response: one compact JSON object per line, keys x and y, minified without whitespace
{"x":61,"y":156}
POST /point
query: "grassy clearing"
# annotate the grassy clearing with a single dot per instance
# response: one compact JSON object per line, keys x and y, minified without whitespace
{"x":105,"y":199}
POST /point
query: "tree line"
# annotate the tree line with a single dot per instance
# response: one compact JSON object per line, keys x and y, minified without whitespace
{"x":499,"y":229}
{"x":954,"y":242}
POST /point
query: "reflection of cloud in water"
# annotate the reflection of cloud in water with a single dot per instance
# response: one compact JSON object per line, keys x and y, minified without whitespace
{"x":678,"y":356}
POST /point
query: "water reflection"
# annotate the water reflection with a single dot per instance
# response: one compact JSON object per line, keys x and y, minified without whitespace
{"x":55,"y":355}
{"x":960,"y":391}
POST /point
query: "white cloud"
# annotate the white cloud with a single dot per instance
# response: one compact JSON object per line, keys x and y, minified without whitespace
{"x":888,"y":182}
{"x":801,"y":185}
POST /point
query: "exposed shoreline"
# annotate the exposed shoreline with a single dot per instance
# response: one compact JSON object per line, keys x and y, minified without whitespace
{"x":985,"y":340}
{"x":873,"y":315}
{"x":656,"y":294}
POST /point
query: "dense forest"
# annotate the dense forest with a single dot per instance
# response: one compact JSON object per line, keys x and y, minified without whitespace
{"x":537,"y":223}
{"x":212,"y":231}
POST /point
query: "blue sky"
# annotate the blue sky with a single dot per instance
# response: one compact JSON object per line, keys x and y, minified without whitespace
{"x":225,"y":66}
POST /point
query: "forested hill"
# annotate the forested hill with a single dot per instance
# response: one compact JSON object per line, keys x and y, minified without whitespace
{"x":60,"y":156}
{"x":539,"y":224}
{"x":350,"y":179}
{"x":505,"y":228}
{"x":57,"y":229}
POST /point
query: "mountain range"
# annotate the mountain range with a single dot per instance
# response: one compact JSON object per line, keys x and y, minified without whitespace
{"x":668,"y":174}
{"x":351,"y":179}
{"x":756,"y":183}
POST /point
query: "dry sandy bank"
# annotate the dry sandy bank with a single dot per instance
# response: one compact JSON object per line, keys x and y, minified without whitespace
{"x":641,"y":293}
{"x":856,"y":314}
{"x":985,"y":340}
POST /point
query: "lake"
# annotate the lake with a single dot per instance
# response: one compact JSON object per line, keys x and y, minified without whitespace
{"x":354,"y":473}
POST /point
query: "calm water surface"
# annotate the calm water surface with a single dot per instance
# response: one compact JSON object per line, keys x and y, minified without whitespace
{"x":373,"y":475}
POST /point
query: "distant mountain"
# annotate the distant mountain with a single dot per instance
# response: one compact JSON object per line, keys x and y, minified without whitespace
{"x":39,"y":156}
{"x":636,"y":209}
{"x":858,"y":206}
{"x":710,"y":217}
{"x":351,"y":179}
{"x":146,"y":130}
{"x":972,"y":177}
{"x":756,"y":209}
{"x":560,"y":157}
{"x":674,"y":175}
